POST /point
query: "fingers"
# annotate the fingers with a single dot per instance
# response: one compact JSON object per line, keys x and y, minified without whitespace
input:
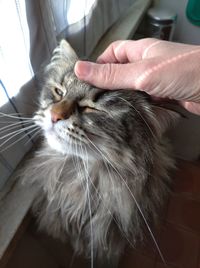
{"x":131,"y":51}
{"x":192,"y":107}
{"x":126,"y":51}
{"x":109,"y":55}
{"x":110,"y":75}
{"x":117,"y":52}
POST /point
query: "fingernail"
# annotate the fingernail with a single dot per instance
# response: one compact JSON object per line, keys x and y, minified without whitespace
{"x":82,"y":69}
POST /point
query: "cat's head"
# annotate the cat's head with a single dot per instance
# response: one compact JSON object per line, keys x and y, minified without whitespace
{"x":79,"y":119}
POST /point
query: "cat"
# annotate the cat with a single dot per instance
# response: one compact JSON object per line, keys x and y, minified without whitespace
{"x":104,"y":165}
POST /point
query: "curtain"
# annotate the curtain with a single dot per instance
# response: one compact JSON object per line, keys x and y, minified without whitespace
{"x":15,"y":70}
{"x":29,"y":31}
{"x":81,"y":22}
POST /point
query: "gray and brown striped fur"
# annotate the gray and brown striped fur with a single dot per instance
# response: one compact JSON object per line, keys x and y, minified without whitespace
{"x":104,"y":164}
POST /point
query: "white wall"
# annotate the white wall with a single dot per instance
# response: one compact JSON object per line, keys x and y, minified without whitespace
{"x":186,"y":136}
{"x":185,"y":31}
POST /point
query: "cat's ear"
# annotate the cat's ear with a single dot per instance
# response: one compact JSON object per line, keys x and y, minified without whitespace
{"x":166,"y":118}
{"x":168,"y":115}
{"x":65,"y":52}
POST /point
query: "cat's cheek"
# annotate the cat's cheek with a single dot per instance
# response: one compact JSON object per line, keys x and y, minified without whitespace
{"x":47,"y":124}
{"x":54,"y":143}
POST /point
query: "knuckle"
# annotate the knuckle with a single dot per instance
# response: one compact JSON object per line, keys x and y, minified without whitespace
{"x":149,"y":40}
{"x":108,"y":74}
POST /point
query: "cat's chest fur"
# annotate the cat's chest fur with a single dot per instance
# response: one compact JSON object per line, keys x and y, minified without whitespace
{"x":70,"y":184}
{"x":79,"y":195}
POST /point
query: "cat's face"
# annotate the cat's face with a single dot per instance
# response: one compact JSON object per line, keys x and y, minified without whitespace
{"x":82,"y":120}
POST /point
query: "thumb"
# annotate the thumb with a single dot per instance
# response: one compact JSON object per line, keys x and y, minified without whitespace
{"x":110,"y":75}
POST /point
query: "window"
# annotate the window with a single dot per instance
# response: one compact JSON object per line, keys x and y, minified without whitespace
{"x":15,"y":71}
{"x":48,"y":22}
{"x":15,"y":65}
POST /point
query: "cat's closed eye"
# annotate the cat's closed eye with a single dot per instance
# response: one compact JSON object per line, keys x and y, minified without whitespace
{"x":87,"y":109}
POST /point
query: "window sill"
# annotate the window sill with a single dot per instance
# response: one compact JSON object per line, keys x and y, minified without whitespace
{"x":124,"y":28}
{"x":15,"y":202}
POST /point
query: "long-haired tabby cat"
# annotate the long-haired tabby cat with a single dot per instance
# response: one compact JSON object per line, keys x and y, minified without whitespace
{"x":103,"y":167}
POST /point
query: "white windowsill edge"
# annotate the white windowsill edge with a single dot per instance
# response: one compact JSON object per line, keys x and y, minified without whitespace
{"x":13,"y":208}
{"x":124,"y":28}
{"x":17,"y":198}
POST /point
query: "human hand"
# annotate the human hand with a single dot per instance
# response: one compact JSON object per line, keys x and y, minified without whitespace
{"x":160,"y":68}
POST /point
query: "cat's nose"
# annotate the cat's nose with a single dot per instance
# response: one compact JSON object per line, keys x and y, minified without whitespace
{"x":62,"y":111}
{"x":55,"y":117}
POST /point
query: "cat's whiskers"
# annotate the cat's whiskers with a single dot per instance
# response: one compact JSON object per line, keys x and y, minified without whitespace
{"x":24,"y":122}
{"x":34,"y":135}
{"x":80,"y":220}
{"x":74,"y":158}
{"x":101,"y":135}
{"x":12,"y":144}
{"x":16,"y":132}
{"x":13,"y":126}
{"x":13,"y":121}
{"x":141,"y":116}
{"x":132,"y":195}
{"x":82,"y":168}
{"x":56,"y":188}
{"x":106,"y":207}
{"x":89,"y":207}
{"x":15,"y":116}
{"x":81,"y":172}
{"x":77,"y":165}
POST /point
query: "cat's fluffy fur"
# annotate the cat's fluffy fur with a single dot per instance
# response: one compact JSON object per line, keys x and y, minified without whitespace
{"x":102,"y":166}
